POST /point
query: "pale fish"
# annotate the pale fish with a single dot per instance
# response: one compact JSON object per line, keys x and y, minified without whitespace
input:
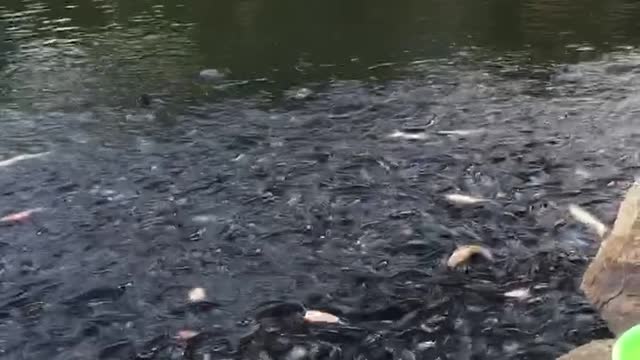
{"x":583,"y":173}
{"x":315,"y":316}
{"x":197,"y":294}
{"x":407,"y":136}
{"x":186,"y":334}
{"x":460,"y":132}
{"x":425,"y":345}
{"x":17,"y":159}
{"x":204,"y":218}
{"x":462,"y":199}
{"x":463,"y":255}
{"x":520,"y":294}
{"x":297,"y":353}
{"x":586,"y":218}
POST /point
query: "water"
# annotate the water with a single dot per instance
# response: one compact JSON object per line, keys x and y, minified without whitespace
{"x":279,"y":187}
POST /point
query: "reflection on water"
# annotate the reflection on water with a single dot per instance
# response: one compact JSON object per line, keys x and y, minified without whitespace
{"x":286,"y":42}
{"x":312,"y":174}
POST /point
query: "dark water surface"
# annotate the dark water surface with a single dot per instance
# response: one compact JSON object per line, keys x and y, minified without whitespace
{"x":282,"y":186}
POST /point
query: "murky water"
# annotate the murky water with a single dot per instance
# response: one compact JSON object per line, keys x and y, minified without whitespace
{"x":311,"y":175}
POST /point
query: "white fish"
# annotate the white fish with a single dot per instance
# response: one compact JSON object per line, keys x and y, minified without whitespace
{"x":583,"y":173}
{"x":585,"y":48}
{"x":297,"y":353}
{"x":464,"y":199}
{"x":464,"y":253}
{"x":239,"y":157}
{"x":407,"y":136}
{"x":315,"y":316}
{"x":186,"y":334}
{"x":302,"y":94}
{"x":197,"y":294}
{"x":204,"y":218}
{"x":586,"y":218}
{"x":460,"y":132}
{"x":519,"y":294}
{"x":426,"y":345}
{"x":211,"y":74}
{"x":16,"y":159}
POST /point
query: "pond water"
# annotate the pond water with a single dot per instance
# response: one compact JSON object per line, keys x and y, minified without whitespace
{"x":309,"y":172}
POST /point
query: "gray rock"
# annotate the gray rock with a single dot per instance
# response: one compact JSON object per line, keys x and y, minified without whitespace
{"x":612,"y":280}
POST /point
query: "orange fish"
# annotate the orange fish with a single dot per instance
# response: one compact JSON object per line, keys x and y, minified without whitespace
{"x":464,"y":253}
{"x":20,"y":216}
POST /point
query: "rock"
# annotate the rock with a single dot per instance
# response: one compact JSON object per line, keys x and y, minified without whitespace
{"x":595,"y":350}
{"x":612,"y":280}
{"x":211,"y":74}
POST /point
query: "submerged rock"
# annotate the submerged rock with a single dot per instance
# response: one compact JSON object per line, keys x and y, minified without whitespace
{"x":595,"y":350}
